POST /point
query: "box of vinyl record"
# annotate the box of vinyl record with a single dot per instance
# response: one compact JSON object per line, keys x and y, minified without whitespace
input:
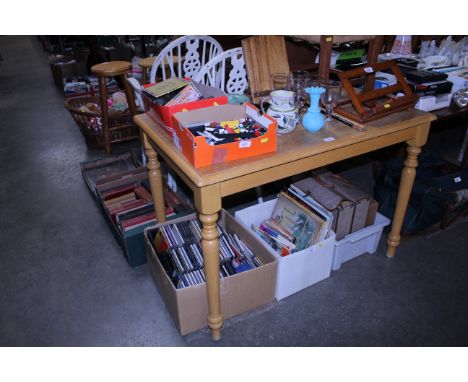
{"x":247,"y":270}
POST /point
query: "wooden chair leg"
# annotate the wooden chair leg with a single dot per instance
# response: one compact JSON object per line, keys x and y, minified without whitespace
{"x":325,"y":56}
{"x":105,"y":114}
{"x":133,"y":110}
{"x":129,"y":95}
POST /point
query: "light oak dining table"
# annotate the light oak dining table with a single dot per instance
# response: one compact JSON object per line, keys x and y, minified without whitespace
{"x":297,"y":152}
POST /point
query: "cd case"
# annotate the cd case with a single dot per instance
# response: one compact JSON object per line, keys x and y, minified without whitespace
{"x":240,"y":292}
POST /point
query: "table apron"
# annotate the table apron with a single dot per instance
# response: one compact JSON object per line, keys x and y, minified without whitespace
{"x":260,"y":177}
{"x":271,"y":174}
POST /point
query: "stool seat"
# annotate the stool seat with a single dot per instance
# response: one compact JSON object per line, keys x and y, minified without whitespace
{"x":110,"y":69}
{"x":146,"y":63}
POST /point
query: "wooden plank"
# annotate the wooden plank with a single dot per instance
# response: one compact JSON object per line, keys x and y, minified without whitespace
{"x":263,"y":56}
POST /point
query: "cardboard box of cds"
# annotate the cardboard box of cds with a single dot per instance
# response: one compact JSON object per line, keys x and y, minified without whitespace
{"x":240,"y":292}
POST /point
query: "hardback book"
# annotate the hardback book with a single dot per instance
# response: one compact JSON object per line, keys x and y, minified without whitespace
{"x":120,"y":175}
{"x":119,"y":199}
{"x":317,"y":208}
{"x":188,"y":94}
{"x":300,"y":221}
{"x":140,"y":210}
{"x":142,"y":193}
{"x":117,"y":191}
{"x":126,"y":207}
{"x":164,"y":91}
{"x":144,"y":218}
{"x":138,"y":220}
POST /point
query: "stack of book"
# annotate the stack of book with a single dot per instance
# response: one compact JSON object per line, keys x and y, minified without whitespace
{"x":178,"y":248}
{"x":296,"y":223}
{"x":122,"y":190}
{"x":173,"y":91}
{"x":131,"y":206}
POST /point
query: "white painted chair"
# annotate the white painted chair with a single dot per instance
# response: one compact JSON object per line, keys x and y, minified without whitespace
{"x":226,"y":71}
{"x":137,"y":89}
{"x":192,"y":53}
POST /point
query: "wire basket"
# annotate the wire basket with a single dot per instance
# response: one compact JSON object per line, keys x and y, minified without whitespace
{"x":121,"y":126}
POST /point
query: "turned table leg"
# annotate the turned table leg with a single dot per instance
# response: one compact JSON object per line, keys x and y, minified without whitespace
{"x":155,"y":178}
{"x":210,"y":248}
{"x":406,"y":185}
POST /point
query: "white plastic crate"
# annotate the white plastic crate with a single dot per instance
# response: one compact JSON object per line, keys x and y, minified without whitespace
{"x":357,"y":243}
{"x":300,"y":269}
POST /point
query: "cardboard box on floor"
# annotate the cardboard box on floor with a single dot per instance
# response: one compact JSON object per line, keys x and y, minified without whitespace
{"x":120,"y":170}
{"x":201,"y":154}
{"x":239,"y":293}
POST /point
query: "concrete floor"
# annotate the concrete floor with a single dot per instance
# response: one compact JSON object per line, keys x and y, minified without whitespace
{"x":64,"y":281}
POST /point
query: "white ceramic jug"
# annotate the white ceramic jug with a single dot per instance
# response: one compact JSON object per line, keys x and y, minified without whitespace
{"x":283,"y":109}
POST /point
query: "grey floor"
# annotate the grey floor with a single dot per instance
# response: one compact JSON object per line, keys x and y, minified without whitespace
{"x":65,"y":282}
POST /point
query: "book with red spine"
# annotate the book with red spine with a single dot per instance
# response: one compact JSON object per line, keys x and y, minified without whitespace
{"x":143,"y":193}
{"x":118,"y":191}
{"x":125,"y":207}
{"x":144,"y":217}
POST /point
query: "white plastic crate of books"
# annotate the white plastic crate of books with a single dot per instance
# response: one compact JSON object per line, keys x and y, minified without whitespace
{"x":357,"y":243}
{"x":298,"y":270}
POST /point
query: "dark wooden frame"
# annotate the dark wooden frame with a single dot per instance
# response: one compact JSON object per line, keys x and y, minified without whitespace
{"x":372,"y":103}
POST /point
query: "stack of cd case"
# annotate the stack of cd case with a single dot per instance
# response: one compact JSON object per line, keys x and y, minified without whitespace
{"x":178,"y":248}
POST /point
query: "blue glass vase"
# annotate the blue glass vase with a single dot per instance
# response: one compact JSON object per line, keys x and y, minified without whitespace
{"x":313,"y":120}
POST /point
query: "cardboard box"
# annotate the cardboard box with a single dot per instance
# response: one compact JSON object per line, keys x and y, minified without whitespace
{"x":120,"y":170}
{"x":212,"y":97}
{"x":240,"y":293}
{"x":298,"y":270}
{"x":201,"y":154}
{"x":98,"y":171}
{"x":65,"y":67}
{"x":131,"y":240}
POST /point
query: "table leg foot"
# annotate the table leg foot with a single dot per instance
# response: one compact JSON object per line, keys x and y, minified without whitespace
{"x":391,"y":249}
{"x":215,"y":333}
{"x":210,"y":248}
{"x":408,"y":175}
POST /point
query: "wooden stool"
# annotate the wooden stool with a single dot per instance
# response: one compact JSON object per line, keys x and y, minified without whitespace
{"x":112,"y":69}
{"x":146,"y":63}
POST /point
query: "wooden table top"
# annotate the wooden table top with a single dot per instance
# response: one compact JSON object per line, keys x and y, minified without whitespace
{"x":292,"y":147}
